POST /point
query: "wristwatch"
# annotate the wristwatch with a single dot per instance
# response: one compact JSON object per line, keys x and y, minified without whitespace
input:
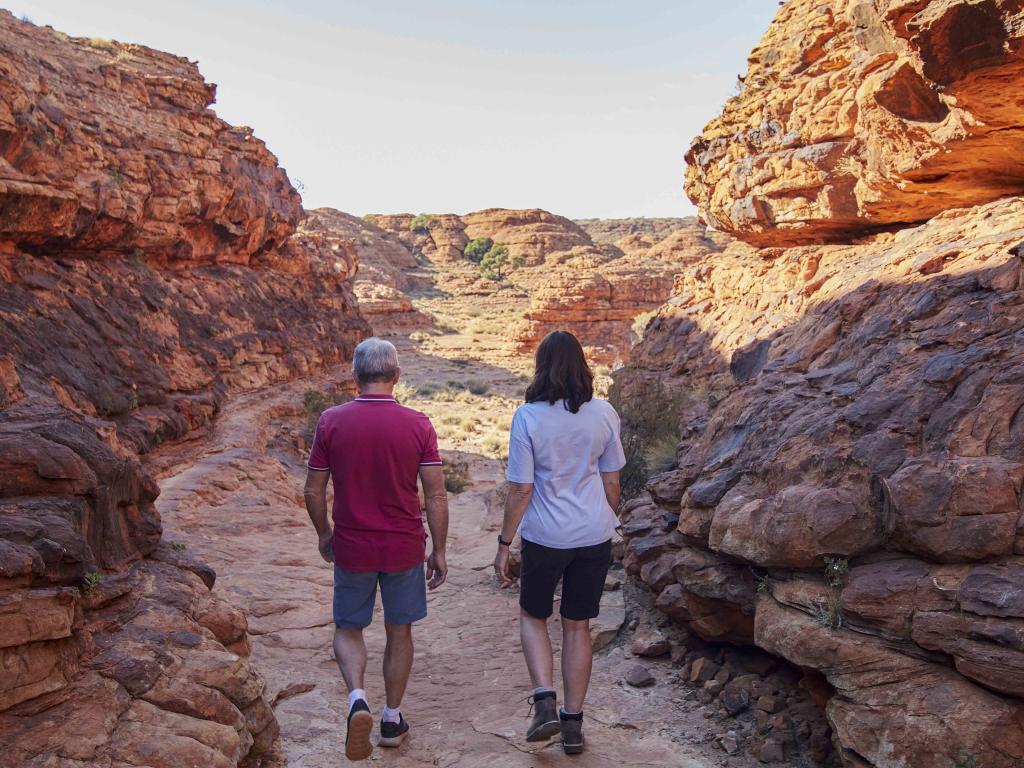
{"x":502,"y":542}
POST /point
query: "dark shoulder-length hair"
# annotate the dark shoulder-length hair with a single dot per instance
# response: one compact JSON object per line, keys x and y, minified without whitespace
{"x":561,"y":373}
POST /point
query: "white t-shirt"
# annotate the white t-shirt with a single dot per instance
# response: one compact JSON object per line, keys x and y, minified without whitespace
{"x":563,"y":454}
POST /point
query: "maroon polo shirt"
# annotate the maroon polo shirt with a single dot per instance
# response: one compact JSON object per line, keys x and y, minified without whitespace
{"x":374,"y":448}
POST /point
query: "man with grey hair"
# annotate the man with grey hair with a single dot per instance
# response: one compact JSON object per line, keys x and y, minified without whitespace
{"x":373,"y":450}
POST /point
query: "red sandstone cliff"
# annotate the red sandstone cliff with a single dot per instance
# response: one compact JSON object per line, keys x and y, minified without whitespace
{"x":147,"y":272}
{"x":847,"y":489}
{"x":857,"y":116}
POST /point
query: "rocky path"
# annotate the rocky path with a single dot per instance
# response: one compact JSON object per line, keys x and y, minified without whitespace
{"x":236,"y":501}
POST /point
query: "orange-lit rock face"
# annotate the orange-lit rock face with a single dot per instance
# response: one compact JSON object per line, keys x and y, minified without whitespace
{"x":112,"y":149}
{"x":857,"y":116}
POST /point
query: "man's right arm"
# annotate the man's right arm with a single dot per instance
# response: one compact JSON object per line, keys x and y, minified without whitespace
{"x":315,"y":493}
{"x":436,"y":501}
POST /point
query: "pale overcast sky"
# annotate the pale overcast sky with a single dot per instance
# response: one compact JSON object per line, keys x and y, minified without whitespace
{"x":582,"y":107}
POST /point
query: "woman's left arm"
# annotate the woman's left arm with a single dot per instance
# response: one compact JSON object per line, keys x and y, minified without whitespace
{"x":519,"y":495}
{"x":612,"y":489}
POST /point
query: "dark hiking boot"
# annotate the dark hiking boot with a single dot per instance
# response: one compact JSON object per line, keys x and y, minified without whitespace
{"x":545,"y":717}
{"x":572,"y":732}
{"x":360,"y":725}
{"x":393,"y":734}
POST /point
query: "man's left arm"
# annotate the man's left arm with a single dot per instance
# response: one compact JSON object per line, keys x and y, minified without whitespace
{"x":436,"y":502}
{"x":315,"y":493}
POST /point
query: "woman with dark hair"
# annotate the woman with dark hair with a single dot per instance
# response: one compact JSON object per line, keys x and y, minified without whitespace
{"x":564,"y":459}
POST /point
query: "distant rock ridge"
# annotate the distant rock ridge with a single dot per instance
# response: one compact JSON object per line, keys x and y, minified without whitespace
{"x":149,"y":267}
{"x":846,"y":489}
{"x":595,"y":286}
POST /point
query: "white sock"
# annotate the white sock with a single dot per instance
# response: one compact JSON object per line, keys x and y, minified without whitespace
{"x":355,"y":696}
{"x":537,"y":691}
{"x":391,"y":715}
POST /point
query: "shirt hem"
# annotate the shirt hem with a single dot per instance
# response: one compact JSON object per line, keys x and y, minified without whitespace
{"x":586,"y":543}
{"x":318,"y":469}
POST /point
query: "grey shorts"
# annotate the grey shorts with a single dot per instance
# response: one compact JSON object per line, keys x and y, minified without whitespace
{"x":404,"y":595}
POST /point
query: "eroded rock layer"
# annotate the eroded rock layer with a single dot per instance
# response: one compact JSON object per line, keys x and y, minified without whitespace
{"x":388,"y":267}
{"x":148,"y":269}
{"x":855,"y":116}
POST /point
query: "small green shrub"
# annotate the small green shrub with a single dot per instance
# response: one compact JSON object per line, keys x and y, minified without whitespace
{"x":116,"y":177}
{"x":456,"y":475}
{"x":92,"y":581}
{"x":421,"y":224}
{"x":828,"y":613}
{"x":836,"y":569}
{"x":640,"y":322}
{"x":494,"y":261}
{"x":177,"y":546}
{"x":763,"y":586}
{"x":478,"y":387}
{"x":970,"y":760}
{"x":477,"y":248}
{"x":133,"y":398}
{"x":496,"y":445}
{"x":650,"y":432}
{"x":315,"y":402}
{"x":405,"y":392}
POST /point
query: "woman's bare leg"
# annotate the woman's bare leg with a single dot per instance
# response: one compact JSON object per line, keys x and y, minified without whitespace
{"x":577,"y":661}
{"x":537,"y":649}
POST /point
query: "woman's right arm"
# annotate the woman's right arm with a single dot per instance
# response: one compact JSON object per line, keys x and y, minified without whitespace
{"x":519,"y":495}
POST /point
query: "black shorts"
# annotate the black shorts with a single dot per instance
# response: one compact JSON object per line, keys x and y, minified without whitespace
{"x":582,"y":571}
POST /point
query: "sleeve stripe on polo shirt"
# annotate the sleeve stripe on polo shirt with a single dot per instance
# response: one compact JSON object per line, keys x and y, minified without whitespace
{"x":318,"y":469}
{"x":431,"y":463}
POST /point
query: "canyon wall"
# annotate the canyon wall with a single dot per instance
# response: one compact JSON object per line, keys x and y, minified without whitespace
{"x":847,"y":488}
{"x":150,"y":267}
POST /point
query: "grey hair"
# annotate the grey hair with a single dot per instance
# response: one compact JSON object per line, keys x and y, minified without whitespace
{"x":374,"y":360}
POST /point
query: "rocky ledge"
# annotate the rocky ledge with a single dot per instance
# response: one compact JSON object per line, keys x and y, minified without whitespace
{"x":860,"y":115}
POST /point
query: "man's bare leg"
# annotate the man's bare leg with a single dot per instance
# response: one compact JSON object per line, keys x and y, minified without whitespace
{"x":398,"y":656}
{"x":577,"y":660}
{"x":350,"y":653}
{"x":533,"y":633}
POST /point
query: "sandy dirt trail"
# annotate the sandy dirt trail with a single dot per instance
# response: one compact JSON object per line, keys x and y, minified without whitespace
{"x":236,"y":501}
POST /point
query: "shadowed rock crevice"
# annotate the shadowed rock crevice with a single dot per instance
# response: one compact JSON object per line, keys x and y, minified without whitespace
{"x":879,"y":430}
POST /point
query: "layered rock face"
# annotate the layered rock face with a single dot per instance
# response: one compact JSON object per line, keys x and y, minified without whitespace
{"x":859,"y":115}
{"x":147,"y":272}
{"x":111,"y":149}
{"x":847,"y":489}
